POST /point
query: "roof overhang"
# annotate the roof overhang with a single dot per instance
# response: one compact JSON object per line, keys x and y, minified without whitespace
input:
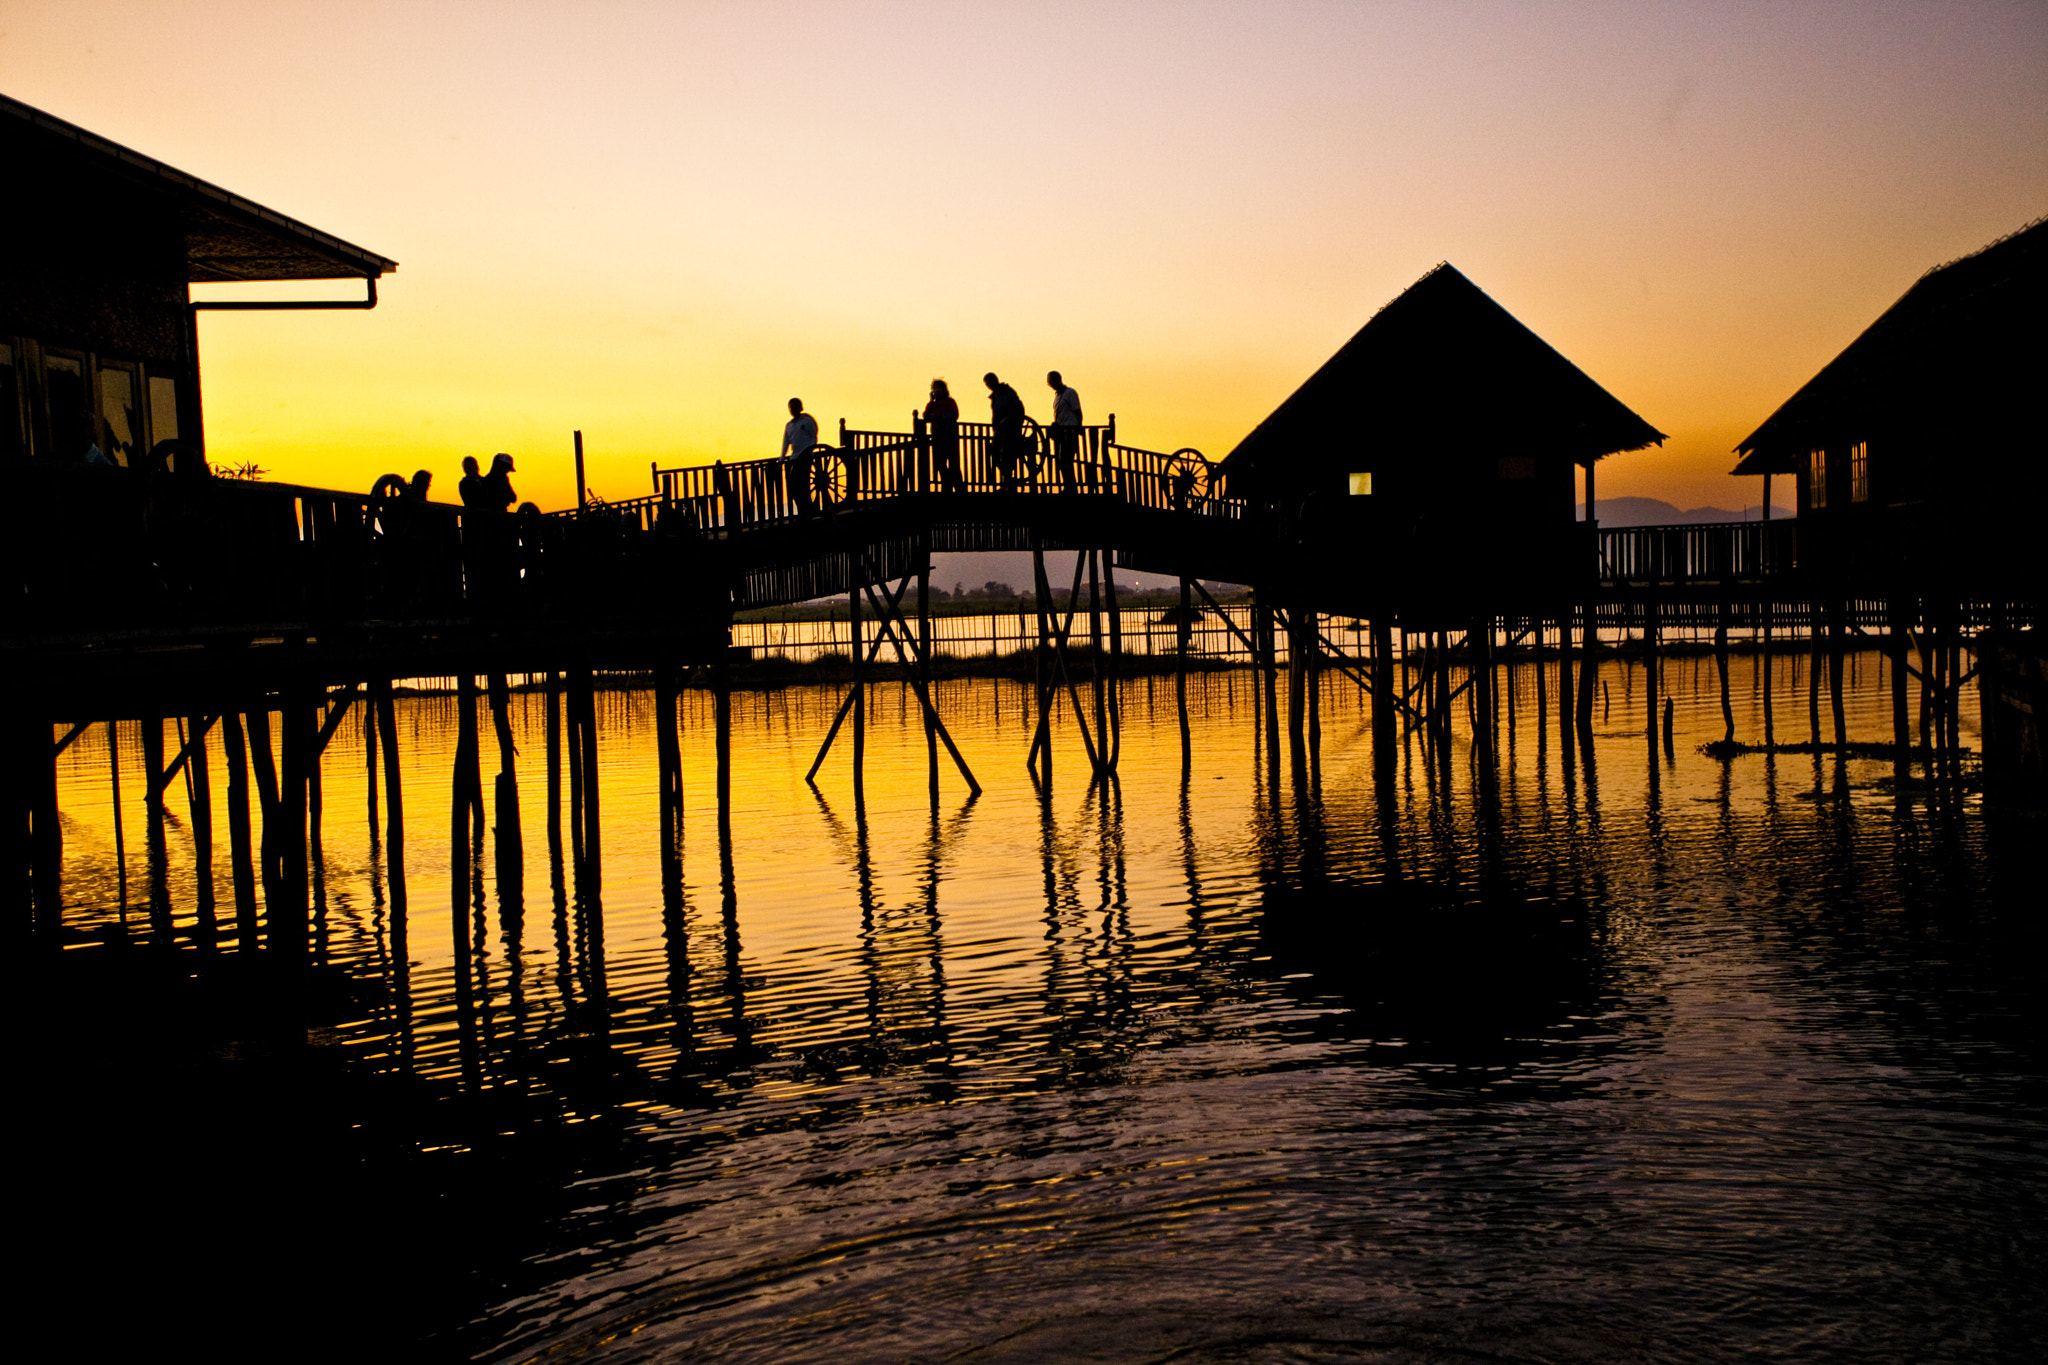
{"x":227,"y":237}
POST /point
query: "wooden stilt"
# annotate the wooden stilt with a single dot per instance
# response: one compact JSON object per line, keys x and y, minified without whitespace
{"x":924,"y":671}
{"x":1114,"y":744}
{"x":1769,"y":611}
{"x":1565,"y":707}
{"x":1041,"y":737}
{"x":460,"y":824}
{"x":1384,"y":735}
{"x":721,"y":677}
{"x":1479,"y":645}
{"x":1721,"y":667}
{"x":386,"y":718}
{"x":199,"y":793}
{"x":153,"y":809}
{"x":1098,"y":695}
{"x":241,"y":850}
{"x":509,"y":840}
{"x":668,"y":765}
{"x":1183,"y":628}
{"x":1653,"y":680}
{"x":1589,"y":664}
{"x":1837,"y":610}
{"x":1269,"y":667}
{"x":1896,"y":644}
{"x":860,"y":695}
{"x":593,"y":828}
{"x":297,"y":730}
{"x":1816,"y":631}
{"x":1297,"y":690}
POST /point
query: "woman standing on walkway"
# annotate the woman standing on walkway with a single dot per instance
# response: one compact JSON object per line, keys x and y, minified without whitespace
{"x":942,"y":422}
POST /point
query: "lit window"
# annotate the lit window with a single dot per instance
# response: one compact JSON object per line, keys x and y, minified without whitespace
{"x":1859,"y":472}
{"x":1517,"y":467}
{"x":1816,"y":478}
{"x":1361,"y":485}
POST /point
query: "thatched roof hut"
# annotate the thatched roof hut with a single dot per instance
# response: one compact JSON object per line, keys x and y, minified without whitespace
{"x":1429,"y":465}
{"x":1442,"y":370}
{"x":1918,"y":448}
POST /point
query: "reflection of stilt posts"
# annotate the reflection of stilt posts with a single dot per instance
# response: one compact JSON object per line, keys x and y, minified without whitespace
{"x":1837,"y":610}
{"x":199,"y":793}
{"x":1721,"y":666}
{"x":1896,"y":637}
{"x":924,"y":667}
{"x":1098,"y":694}
{"x":385,"y":717}
{"x":153,"y":809}
{"x":241,"y":851}
{"x":1815,"y":635}
{"x":1180,"y":671}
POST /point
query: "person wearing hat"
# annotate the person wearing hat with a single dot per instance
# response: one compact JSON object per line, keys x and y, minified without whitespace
{"x":497,"y":488}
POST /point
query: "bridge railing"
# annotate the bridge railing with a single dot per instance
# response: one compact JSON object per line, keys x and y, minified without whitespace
{"x":870,"y":466}
{"x":1712,"y":552}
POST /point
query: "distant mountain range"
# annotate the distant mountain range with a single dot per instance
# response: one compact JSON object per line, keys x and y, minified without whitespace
{"x":1657,"y":512}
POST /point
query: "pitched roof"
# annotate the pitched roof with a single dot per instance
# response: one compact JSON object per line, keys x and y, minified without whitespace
{"x":1954,"y":339}
{"x":1445,"y":362}
{"x":226,"y":237}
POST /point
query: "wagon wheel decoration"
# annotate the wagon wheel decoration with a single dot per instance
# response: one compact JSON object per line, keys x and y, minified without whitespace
{"x":1188,"y":476}
{"x":830,"y":476}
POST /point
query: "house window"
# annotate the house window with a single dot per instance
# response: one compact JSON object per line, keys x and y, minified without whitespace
{"x":1859,"y":472}
{"x":120,"y":419}
{"x":1361,"y":485}
{"x":1816,"y":479}
{"x":1517,"y":467}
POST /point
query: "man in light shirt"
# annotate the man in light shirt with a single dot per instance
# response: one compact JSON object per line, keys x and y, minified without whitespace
{"x":799,"y":434}
{"x":1066,"y":425}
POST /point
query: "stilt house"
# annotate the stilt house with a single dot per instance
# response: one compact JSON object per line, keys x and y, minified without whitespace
{"x":98,"y":343}
{"x":1426,"y":471}
{"x":1920,"y":462}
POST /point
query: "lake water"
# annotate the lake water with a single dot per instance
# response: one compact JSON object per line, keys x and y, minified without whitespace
{"x":1655,"y":1059}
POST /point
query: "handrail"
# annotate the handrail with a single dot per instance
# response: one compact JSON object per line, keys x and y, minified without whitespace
{"x":1705,"y":552}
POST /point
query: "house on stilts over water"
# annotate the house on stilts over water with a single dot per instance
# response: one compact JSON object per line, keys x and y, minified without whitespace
{"x":1427,"y":472}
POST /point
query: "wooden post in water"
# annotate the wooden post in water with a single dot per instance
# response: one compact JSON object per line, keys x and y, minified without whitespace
{"x":1113,"y":744}
{"x":572,"y":719}
{"x":298,"y":738}
{"x":386,"y":717}
{"x":1589,"y":665}
{"x":668,"y":766}
{"x":1264,"y":637}
{"x":553,"y":727}
{"x":1815,"y":633}
{"x":1479,"y":645}
{"x":1897,"y":641}
{"x":153,"y":808}
{"x":1721,"y":666}
{"x":1565,"y":709}
{"x":1837,"y":610}
{"x":1312,"y":683}
{"x":1297,"y":690}
{"x":1385,"y":737}
{"x":263,"y":766}
{"x":1041,"y":739}
{"x":1769,"y":611}
{"x":199,"y":791}
{"x":241,"y":851}
{"x":459,"y":825}
{"x":924,"y":654}
{"x":593,"y":829}
{"x":860,"y":691}
{"x":721,"y":680}
{"x":1183,"y":629}
{"x":1097,"y":696}
{"x":1653,"y":681}
{"x":510,"y":842}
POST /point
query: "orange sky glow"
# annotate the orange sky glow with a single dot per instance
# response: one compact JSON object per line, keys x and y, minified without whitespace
{"x":658,"y":222}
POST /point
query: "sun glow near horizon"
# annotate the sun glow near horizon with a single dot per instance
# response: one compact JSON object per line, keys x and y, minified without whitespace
{"x":659,"y":226}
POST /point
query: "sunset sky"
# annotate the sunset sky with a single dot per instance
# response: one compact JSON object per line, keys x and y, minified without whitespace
{"x":658,"y":222}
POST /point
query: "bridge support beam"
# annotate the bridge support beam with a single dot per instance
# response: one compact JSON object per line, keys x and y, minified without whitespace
{"x":1182,"y":629}
{"x":199,"y":794}
{"x":386,"y":738}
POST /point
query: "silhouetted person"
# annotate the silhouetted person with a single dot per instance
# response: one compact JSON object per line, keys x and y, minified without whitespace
{"x":1066,"y":425}
{"x":799,"y":438}
{"x":942,"y":420}
{"x":728,"y":510}
{"x":1006,"y":415}
{"x":422,"y":480}
{"x":470,"y":488}
{"x":497,"y":494}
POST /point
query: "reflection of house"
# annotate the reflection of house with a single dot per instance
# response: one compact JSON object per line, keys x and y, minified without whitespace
{"x":1918,"y":451}
{"x":1427,"y":467}
{"x":98,"y":244}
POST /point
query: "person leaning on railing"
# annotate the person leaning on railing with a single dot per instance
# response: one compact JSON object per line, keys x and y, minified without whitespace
{"x":799,"y":439}
{"x":1006,"y":415}
{"x":1066,"y":427}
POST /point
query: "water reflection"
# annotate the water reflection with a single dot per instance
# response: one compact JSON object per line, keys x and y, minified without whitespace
{"x":1454,"y":1054}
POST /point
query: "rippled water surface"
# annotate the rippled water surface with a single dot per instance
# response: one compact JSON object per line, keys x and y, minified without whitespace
{"x":1651,"y":1058}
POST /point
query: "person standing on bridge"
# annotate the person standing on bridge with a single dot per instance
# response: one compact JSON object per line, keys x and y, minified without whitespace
{"x":1066,"y":426}
{"x":1006,"y":415}
{"x":942,"y":422}
{"x":799,"y":437}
